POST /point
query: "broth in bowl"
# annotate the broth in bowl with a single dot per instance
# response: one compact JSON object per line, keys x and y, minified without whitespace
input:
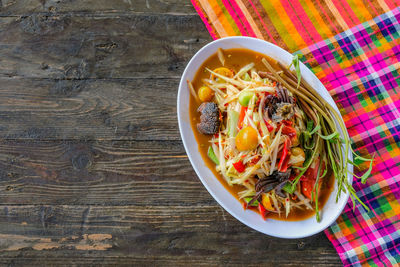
{"x":262,"y":142}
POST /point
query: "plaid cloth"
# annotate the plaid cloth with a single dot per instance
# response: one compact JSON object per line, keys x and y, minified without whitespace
{"x":353,"y":48}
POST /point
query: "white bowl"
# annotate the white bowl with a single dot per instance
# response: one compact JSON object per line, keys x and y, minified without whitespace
{"x":277,"y":228}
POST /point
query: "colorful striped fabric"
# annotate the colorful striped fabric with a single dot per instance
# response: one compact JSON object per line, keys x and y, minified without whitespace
{"x":353,"y":46}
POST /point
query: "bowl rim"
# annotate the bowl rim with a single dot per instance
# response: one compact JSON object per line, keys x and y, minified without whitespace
{"x":195,"y":166}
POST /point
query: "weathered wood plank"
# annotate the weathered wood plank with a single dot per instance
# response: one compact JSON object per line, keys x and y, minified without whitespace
{"x":81,"y":47}
{"x":98,"y":173}
{"x":90,"y":258}
{"x":156,"y":200}
{"x":134,"y":109}
{"x":173,"y":260}
{"x":150,"y":234}
{"x":26,"y":7}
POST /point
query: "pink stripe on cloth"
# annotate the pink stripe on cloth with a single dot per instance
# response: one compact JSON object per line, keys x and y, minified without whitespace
{"x":347,"y":8}
{"x":348,"y":20}
{"x":235,"y":17}
{"x":243,"y":18}
{"x":262,"y":22}
{"x":204,"y":19}
{"x":326,"y":16}
{"x":301,"y":21}
{"x":392,"y":4}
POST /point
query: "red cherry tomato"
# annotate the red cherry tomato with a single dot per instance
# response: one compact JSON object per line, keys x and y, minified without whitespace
{"x":309,"y":179}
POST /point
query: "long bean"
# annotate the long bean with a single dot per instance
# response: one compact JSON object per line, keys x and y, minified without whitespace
{"x":315,"y":106}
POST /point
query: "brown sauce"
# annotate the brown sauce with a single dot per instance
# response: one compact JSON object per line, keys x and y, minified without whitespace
{"x":236,"y":59}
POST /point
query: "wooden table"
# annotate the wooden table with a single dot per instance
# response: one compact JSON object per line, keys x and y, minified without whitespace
{"x":92,"y":167}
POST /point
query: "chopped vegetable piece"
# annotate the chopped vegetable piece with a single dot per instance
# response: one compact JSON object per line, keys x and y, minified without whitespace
{"x":266,"y":201}
{"x":239,"y":166}
{"x":192,"y":91}
{"x":287,"y":123}
{"x":254,"y":204}
{"x":289,"y":131}
{"x":308,"y":183}
{"x":245,"y":97}
{"x":246,"y":77}
{"x":221,"y":56}
{"x":288,"y":188}
{"x":247,"y":139}
{"x":205,"y":93}
{"x":241,"y":116}
{"x":212,"y":155}
{"x":282,"y":165}
{"x":233,"y":118}
{"x":310,"y":124}
{"x":269,"y":126}
{"x":254,"y":161}
{"x":262,"y":211}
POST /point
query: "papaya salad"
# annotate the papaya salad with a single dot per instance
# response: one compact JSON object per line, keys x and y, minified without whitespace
{"x":268,"y":135}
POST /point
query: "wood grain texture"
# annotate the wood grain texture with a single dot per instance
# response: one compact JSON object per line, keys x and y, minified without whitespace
{"x":24,"y":7}
{"x":106,"y":173}
{"x":95,"y":46}
{"x":92,"y":169}
{"x":90,"y":109}
{"x":58,"y":196}
{"x":189,"y":234}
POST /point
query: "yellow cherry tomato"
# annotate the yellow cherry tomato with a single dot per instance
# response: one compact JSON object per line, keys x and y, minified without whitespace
{"x":246,"y":139}
{"x":205,"y":93}
{"x":222,"y":71}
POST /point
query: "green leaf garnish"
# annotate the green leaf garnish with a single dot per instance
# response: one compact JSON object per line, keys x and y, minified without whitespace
{"x":366,"y":174}
{"x":296,"y":64}
{"x":329,"y":137}
{"x":254,"y":204}
{"x":315,"y":129}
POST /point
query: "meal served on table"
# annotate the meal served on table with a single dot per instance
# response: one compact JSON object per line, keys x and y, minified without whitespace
{"x":267,"y":135}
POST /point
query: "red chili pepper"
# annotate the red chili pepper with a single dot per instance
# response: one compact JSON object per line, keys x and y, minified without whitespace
{"x":289,"y":131}
{"x":241,"y":117}
{"x":282,"y":165}
{"x":269,"y":126}
{"x":239,"y":166}
{"x":287,"y":123}
{"x":309,"y":178}
{"x":285,"y":165}
{"x":262,"y":211}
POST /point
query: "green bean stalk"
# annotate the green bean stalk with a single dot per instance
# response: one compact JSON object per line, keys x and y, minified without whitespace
{"x":322,"y":137}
